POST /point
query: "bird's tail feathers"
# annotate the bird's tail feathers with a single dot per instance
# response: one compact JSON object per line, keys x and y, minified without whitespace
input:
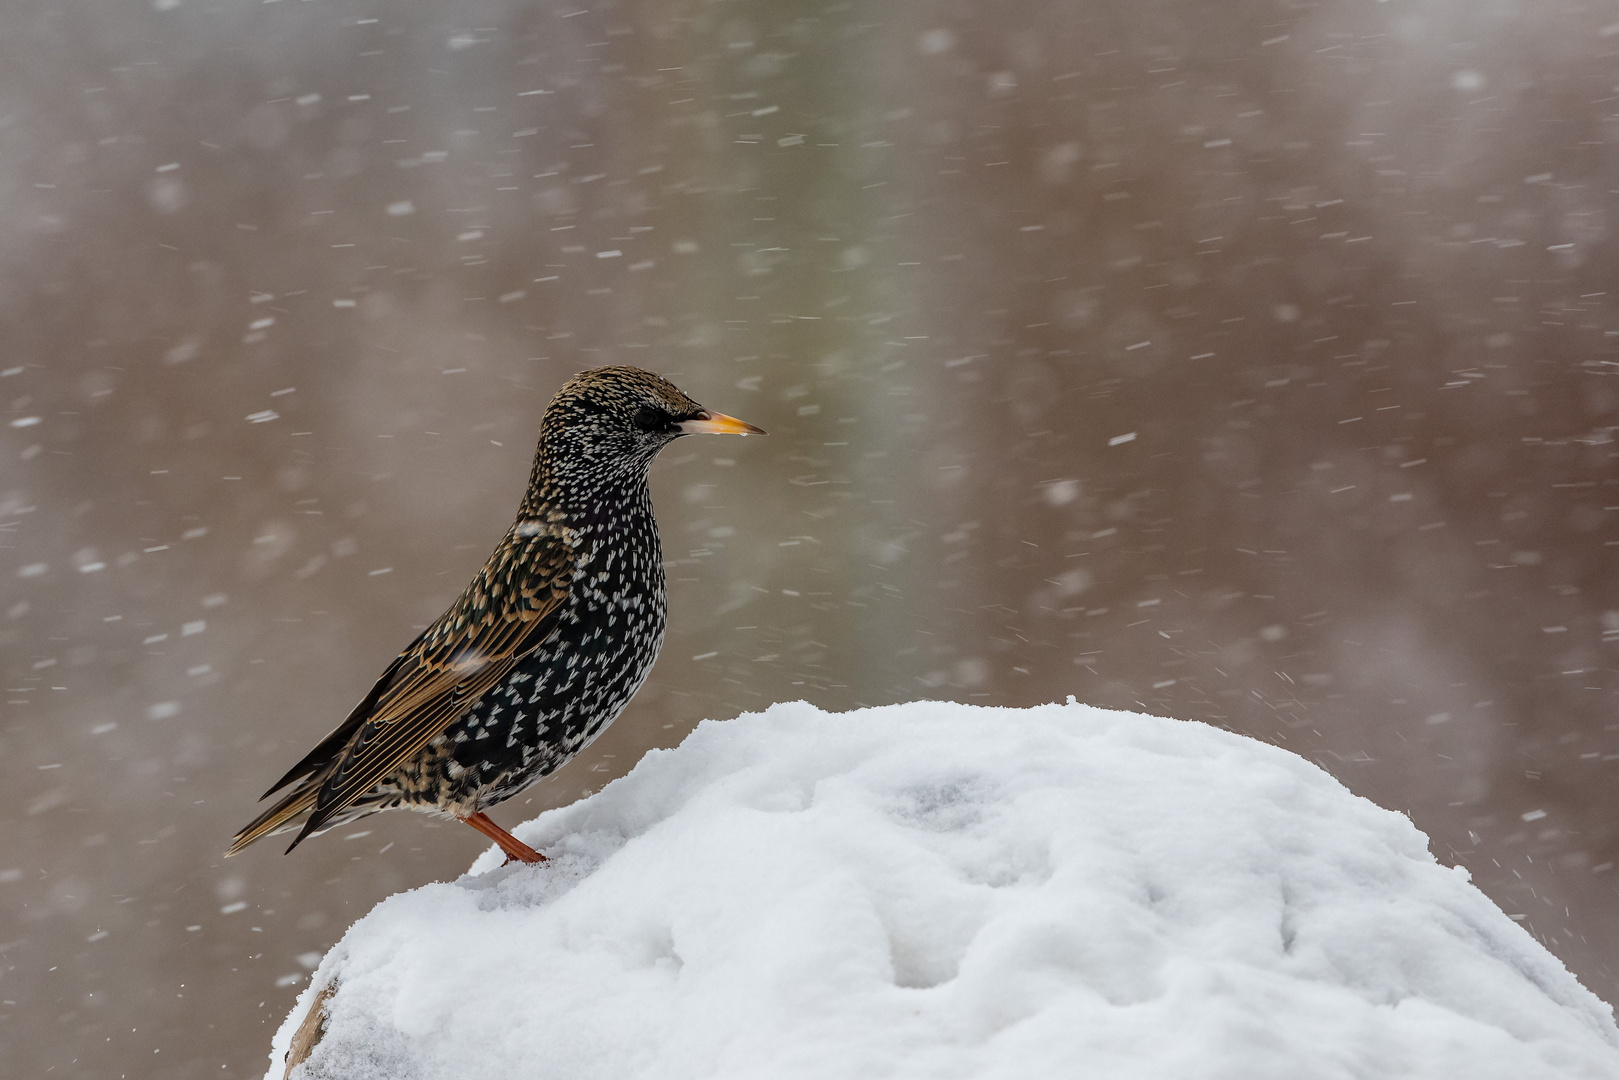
{"x":282,"y":817}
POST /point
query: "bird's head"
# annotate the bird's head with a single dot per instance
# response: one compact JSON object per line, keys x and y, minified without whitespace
{"x":610,"y":420}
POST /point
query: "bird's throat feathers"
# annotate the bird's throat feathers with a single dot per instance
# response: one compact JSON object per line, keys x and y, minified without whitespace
{"x":585,"y":496}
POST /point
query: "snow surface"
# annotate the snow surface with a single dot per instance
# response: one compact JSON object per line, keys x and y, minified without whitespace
{"x":941,"y":890}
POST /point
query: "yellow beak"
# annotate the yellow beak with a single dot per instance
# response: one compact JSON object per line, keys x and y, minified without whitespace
{"x":713,"y":423}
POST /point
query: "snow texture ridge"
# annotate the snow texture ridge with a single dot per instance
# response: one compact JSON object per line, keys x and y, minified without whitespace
{"x":942,"y":890}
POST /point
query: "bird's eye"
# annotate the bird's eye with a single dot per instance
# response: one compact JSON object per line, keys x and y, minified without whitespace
{"x":649,"y":419}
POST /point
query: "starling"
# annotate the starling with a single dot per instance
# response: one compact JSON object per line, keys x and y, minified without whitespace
{"x":544,"y":648}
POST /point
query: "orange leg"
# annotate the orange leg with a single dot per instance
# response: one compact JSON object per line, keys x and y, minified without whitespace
{"x":513,"y":847}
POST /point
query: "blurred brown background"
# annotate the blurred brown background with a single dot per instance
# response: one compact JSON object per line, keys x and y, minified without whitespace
{"x":1245,"y":362}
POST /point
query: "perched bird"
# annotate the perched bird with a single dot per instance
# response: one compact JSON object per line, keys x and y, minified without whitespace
{"x":544,"y":648}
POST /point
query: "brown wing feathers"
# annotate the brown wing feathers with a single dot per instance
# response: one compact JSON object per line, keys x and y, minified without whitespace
{"x":398,"y":732}
{"x":510,"y":608}
{"x":334,"y":743}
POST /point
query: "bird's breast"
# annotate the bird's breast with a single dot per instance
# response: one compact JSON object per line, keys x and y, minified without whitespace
{"x":619,"y":570}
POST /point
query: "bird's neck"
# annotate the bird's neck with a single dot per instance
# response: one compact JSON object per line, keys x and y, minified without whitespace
{"x":590,"y":501}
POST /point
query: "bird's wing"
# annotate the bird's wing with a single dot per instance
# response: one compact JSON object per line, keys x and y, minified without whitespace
{"x":510,"y":608}
{"x":332,"y":745}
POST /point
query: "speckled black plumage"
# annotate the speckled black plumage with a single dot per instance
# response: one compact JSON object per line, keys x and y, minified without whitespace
{"x":541,"y":651}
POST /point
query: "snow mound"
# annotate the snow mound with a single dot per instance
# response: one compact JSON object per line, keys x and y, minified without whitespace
{"x":940,"y":890}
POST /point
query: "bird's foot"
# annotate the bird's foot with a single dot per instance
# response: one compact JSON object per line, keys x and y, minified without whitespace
{"x":515,"y":849}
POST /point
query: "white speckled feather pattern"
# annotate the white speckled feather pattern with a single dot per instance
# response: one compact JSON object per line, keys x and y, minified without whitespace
{"x":543,"y":649}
